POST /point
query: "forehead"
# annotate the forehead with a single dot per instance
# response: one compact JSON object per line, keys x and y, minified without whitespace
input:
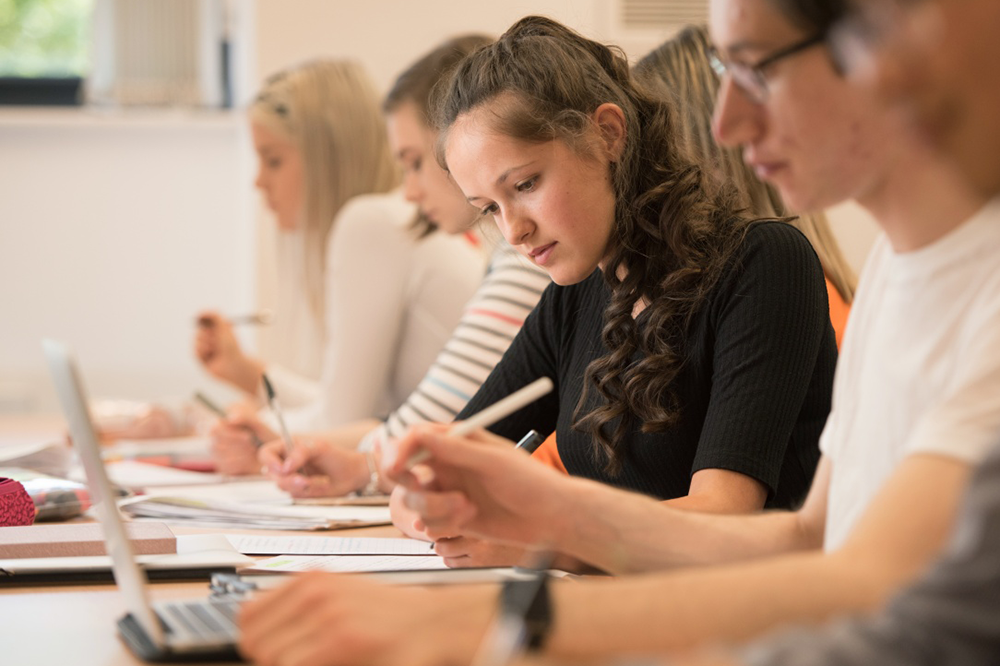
{"x":749,"y":24}
{"x":266,"y":135}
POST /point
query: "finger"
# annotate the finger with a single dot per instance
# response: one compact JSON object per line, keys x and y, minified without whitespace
{"x":447,"y":511}
{"x":395,"y":459}
{"x":271,"y":456}
{"x":299,"y":456}
{"x":458,"y":562}
{"x":456,"y":546}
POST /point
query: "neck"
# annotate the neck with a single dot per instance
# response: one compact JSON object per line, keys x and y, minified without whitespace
{"x":920,"y":200}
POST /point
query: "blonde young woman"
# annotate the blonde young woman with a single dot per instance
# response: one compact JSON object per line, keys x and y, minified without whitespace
{"x":680,"y":69}
{"x":369,"y":293}
{"x":327,"y":464}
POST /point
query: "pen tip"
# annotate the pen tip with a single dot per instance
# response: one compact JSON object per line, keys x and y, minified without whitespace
{"x":267,"y":387}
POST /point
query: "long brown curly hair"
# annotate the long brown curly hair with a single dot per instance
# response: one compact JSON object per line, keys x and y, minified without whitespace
{"x":674,"y":232}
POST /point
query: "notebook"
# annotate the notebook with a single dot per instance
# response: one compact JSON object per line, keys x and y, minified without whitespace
{"x":196,"y":629}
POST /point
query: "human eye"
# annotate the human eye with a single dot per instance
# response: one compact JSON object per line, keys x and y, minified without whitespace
{"x":490,"y":209}
{"x":272,"y":162}
{"x":527,"y":185}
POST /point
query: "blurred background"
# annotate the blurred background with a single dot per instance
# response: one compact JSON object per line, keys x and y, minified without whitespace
{"x":126,"y":169}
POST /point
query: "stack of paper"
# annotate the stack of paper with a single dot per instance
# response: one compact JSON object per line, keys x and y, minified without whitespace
{"x":257,"y":505}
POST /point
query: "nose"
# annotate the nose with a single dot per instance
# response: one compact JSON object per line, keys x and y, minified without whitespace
{"x":515,"y":226}
{"x":412,"y":191}
{"x":259,"y":182}
{"x":736,"y":119}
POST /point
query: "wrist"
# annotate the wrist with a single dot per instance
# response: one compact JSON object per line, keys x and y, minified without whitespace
{"x":249,"y":375}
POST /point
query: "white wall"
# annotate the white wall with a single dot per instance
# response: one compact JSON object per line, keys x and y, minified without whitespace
{"x":386,"y":35}
{"x":114,"y":231}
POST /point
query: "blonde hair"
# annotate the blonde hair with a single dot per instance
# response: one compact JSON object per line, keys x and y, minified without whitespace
{"x":330,"y":111}
{"x":680,"y":70}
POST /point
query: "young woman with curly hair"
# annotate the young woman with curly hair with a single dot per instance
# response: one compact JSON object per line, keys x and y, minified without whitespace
{"x":690,"y":345}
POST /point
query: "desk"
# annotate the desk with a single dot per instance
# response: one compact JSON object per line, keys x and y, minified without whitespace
{"x":76,"y":625}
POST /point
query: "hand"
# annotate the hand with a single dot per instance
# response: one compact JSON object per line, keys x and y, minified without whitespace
{"x":234,"y":448}
{"x":322,"y":619}
{"x":216,"y":346}
{"x":404,"y":518}
{"x":481,"y":486}
{"x":463,"y":552}
{"x":315,"y":467}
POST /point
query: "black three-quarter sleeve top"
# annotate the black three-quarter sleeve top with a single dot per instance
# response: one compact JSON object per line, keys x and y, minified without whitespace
{"x":755,"y":387}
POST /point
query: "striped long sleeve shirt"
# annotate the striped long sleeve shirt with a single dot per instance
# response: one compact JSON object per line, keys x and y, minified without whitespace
{"x":509,"y":292}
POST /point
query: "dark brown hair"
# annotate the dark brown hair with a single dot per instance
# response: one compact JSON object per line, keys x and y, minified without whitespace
{"x":673,"y":233}
{"x":415,"y":84}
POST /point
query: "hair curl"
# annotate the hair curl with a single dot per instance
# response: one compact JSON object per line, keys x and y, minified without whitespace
{"x":674,"y":232}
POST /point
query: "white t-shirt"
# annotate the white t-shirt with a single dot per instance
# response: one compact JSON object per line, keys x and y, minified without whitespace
{"x":392,"y":301}
{"x":919,"y":370}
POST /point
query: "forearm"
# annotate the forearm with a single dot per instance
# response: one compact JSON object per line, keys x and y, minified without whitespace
{"x":623,"y":532}
{"x":667,"y":611}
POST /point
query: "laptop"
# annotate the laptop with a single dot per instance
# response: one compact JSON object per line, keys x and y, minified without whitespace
{"x":191,"y":630}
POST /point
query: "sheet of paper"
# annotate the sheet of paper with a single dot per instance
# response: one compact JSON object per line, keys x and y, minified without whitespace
{"x":139,"y":475}
{"x":349,"y":563}
{"x":250,"y":544}
{"x":137,"y":448}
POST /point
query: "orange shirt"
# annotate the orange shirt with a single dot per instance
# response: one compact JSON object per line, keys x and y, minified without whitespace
{"x":839,"y":310}
{"x":548,"y":454}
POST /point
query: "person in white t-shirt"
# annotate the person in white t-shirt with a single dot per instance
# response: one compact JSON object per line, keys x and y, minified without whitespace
{"x":927,"y":391}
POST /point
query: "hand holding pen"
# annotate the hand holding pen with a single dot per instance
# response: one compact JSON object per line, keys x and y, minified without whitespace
{"x":236,"y":436}
{"x":219,"y":351}
{"x":481,"y":486}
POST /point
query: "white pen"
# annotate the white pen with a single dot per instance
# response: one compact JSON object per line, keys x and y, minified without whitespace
{"x":272,"y":401}
{"x":492,"y":414}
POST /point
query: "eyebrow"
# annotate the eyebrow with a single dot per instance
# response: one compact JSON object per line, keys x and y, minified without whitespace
{"x":502,"y":179}
{"x":739,"y":47}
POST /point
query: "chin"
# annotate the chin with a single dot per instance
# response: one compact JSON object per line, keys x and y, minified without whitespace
{"x":566,"y":277}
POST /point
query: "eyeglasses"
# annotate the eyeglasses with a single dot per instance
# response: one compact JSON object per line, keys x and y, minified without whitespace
{"x":867,"y":28}
{"x":752,"y":79}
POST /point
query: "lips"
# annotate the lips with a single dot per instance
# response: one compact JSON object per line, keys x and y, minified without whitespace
{"x":541,"y":255}
{"x":764,"y":167}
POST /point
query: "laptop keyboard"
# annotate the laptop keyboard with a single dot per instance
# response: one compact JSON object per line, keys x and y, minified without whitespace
{"x":209,"y":619}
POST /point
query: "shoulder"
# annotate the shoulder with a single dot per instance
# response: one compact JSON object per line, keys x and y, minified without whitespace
{"x":376,"y":221}
{"x":383,"y":211}
{"x":775,"y":237}
{"x":776,"y":249}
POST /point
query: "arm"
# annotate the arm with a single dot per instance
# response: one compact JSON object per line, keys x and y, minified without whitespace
{"x":897,"y":537}
{"x":490,"y":322}
{"x":483,"y":488}
{"x":772,"y":360}
{"x":950,"y":617}
{"x":369,"y":259}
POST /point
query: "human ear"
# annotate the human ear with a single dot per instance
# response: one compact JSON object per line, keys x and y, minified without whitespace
{"x":610,"y":122}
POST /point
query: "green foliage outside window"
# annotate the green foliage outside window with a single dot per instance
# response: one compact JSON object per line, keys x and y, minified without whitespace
{"x":44,"y":38}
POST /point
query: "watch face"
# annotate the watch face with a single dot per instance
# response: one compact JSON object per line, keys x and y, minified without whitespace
{"x":527,"y":601}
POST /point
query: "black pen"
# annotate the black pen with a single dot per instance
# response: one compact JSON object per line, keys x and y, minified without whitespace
{"x":221,"y":413}
{"x":529,"y":442}
{"x":272,"y":400}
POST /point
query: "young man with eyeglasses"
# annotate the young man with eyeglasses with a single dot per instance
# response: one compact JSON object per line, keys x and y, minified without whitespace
{"x":939,"y":60}
{"x":917,"y":407}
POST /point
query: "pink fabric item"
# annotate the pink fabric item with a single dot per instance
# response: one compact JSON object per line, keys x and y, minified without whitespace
{"x":16,"y":507}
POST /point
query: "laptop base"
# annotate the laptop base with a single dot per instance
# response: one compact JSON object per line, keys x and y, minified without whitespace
{"x":138,"y":642}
